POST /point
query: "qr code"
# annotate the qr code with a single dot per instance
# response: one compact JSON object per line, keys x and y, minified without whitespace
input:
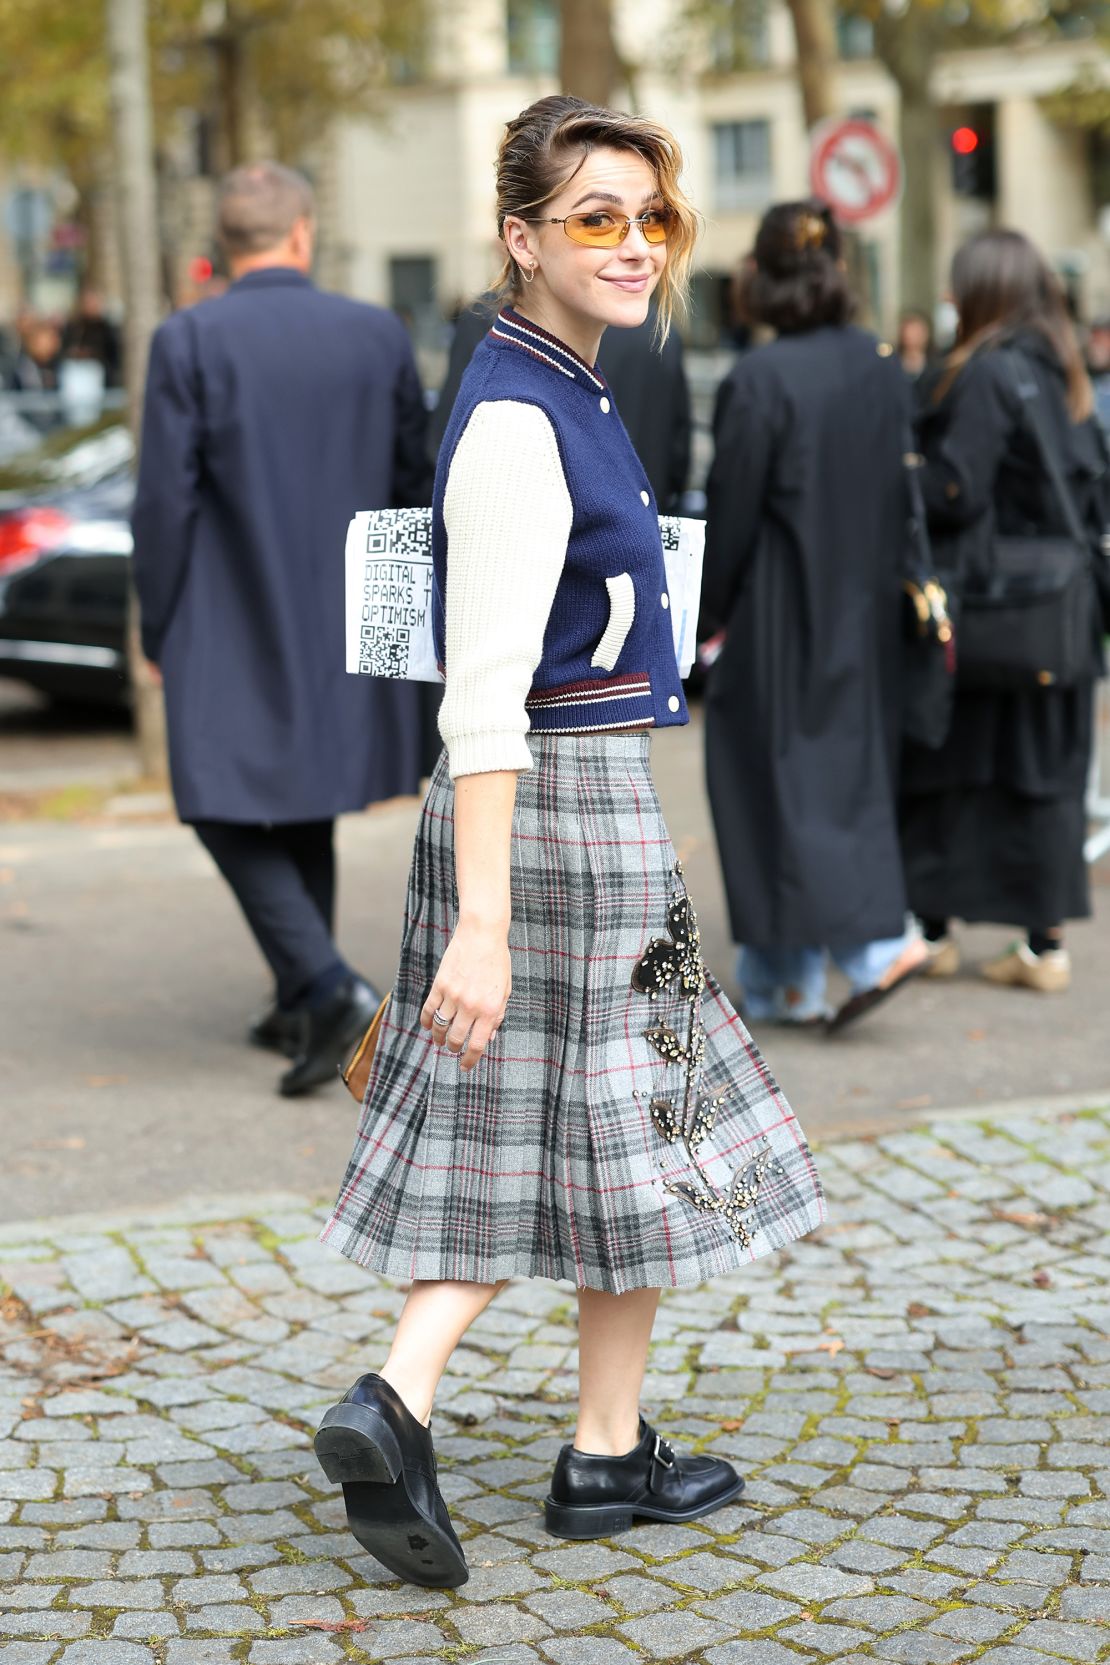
{"x":401,"y":533}
{"x":670,"y":530}
{"x":383,"y":652}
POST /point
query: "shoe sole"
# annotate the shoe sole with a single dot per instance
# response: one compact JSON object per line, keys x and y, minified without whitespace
{"x":358,"y":1450}
{"x":607,"y":1520}
{"x":858,"y":1005}
{"x":1002,"y":980}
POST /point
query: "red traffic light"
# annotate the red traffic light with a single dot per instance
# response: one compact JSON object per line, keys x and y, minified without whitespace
{"x":965,"y":141}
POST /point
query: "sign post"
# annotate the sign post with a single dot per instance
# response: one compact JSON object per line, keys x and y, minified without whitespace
{"x":855,"y":169}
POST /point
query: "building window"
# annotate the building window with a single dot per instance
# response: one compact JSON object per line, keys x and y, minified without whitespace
{"x":532,"y":31}
{"x":742,"y":164}
{"x":855,"y":35}
{"x":738,"y":36}
{"x":412,"y":295}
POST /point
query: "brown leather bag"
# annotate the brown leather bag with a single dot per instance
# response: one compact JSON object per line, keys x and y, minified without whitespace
{"x":356,"y":1074}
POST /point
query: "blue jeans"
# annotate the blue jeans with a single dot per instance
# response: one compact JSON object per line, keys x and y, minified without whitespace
{"x":787,"y":985}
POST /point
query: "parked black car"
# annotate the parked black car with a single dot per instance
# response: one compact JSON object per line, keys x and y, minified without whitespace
{"x":65,"y":544}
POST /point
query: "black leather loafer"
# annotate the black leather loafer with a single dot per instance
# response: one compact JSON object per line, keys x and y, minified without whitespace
{"x":278,"y":1031}
{"x":328,"y":1034}
{"x":372,"y":1445}
{"x":596,"y":1497}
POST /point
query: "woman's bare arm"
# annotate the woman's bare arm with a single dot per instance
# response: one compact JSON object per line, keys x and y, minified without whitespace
{"x":474,"y":979}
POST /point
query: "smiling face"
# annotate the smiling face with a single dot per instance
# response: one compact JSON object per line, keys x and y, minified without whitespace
{"x":577,"y":290}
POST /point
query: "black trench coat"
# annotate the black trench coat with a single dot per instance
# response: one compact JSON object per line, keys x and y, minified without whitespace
{"x":993,"y":822}
{"x":806,"y":518}
{"x":272,"y":414}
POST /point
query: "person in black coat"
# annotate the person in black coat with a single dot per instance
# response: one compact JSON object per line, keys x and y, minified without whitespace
{"x":272,"y":414}
{"x":993,"y":823}
{"x":648,"y":384}
{"x":805,"y":518}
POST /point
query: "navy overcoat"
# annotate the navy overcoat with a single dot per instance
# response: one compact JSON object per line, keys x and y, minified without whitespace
{"x":272,"y":414}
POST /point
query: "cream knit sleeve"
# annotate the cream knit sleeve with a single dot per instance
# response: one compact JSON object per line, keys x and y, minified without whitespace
{"x":508,"y":515}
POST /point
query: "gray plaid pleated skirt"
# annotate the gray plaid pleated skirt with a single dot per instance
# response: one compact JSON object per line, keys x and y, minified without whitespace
{"x":622,"y":1130}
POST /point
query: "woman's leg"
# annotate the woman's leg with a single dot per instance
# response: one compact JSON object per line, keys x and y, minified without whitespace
{"x":433,"y":1321}
{"x":1046,"y":940}
{"x":613,"y":1336}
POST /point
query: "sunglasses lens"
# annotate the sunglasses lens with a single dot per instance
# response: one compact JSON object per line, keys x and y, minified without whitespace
{"x":656,"y":224}
{"x":599,"y":230}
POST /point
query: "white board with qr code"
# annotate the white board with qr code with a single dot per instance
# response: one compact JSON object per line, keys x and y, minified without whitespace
{"x":389,"y":592}
{"x":389,"y":595}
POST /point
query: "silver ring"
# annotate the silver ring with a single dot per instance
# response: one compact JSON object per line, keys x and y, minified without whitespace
{"x":439,"y":1019}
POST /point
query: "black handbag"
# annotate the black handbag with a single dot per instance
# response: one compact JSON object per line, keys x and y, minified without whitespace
{"x":929,"y":635}
{"x":1028,"y":617}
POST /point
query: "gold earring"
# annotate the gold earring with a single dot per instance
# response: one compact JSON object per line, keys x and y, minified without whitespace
{"x":529,"y":274}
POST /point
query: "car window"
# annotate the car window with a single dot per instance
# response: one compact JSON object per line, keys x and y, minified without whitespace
{"x":70,"y":457}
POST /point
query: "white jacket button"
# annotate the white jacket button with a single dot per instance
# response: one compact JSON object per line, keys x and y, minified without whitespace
{"x":644,"y":499}
{"x":673,"y":703}
{"x":665,"y":599}
{"x":606,"y":407}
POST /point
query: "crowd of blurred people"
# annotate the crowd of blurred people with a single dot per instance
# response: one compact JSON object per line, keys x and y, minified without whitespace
{"x":38,"y":349}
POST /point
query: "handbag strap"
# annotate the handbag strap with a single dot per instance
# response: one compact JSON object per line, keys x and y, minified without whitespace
{"x":919,"y":552}
{"x":1032,"y":407}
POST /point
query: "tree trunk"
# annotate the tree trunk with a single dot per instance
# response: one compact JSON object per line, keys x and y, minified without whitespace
{"x":230,"y":49}
{"x":129,"y":84}
{"x":815,"y":42}
{"x":589,"y":67}
{"x":906,"y":45}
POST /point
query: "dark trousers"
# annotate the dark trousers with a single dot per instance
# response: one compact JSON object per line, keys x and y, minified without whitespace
{"x":283,"y":878}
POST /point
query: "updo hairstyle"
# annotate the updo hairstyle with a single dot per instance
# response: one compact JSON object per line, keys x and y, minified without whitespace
{"x":794,"y":278}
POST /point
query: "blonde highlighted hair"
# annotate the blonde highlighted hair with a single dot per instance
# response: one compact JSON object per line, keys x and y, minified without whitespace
{"x":544,"y":148}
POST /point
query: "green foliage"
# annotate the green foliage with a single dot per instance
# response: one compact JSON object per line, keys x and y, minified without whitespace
{"x":302,"y":61}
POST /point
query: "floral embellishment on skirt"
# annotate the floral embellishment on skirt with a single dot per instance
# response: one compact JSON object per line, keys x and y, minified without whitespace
{"x":689,"y":1117}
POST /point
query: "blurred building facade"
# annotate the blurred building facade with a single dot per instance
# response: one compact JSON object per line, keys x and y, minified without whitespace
{"x":406,"y":194}
{"x":414,"y":194}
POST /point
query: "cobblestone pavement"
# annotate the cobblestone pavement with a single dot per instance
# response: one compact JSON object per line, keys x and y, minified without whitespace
{"x":921,"y":1398}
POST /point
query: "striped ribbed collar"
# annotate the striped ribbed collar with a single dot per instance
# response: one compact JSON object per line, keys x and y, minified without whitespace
{"x":510,"y":327}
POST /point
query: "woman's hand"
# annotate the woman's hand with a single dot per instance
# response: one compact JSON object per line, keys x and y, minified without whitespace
{"x":471,"y":991}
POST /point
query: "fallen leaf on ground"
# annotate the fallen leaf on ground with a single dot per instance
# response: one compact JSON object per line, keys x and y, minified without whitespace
{"x":345,"y":1625}
{"x":731,"y":1424}
{"x":1032,"y":1218}
{"x":1042,"y":1279}
{"x":830,"y":1344}
{"x":918,"y":1309}
{"x":881,"y":1372}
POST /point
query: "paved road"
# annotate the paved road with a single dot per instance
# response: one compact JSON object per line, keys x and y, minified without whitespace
{"x":920,"y":1397}
{"x":127,"y":980}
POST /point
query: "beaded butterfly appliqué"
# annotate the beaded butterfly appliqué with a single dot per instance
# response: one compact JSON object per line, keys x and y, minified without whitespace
{"x":666,"y":961}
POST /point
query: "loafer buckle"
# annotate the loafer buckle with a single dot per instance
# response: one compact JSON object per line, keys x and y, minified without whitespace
{"x":662,"y":1453}
{"x":662,"y":1457}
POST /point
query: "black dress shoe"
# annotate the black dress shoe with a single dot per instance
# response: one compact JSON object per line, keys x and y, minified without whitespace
{"x":328,"y":1034}
{"x":595,"y":1497}
{"x":278,"y":1030}
{"x":373,"y":1446}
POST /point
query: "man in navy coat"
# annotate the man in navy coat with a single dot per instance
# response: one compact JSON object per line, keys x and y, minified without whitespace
{"x":272,"y":414}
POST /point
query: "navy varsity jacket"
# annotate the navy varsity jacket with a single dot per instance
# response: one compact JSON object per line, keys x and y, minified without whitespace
{"x":614,"y":554}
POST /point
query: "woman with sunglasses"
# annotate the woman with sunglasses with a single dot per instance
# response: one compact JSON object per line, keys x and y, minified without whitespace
{"x":560,"y":1090}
